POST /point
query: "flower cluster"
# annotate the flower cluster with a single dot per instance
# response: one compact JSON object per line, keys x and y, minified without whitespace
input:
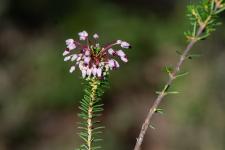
{"x":92,"y":59}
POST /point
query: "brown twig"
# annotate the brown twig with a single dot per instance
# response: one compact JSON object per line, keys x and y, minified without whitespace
{"x":172,"y":76}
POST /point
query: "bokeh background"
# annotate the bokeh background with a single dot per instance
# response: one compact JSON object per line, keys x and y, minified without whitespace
{"x":39,"y":99}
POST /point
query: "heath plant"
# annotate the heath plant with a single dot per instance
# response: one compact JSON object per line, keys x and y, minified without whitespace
{"x":95,"y":63}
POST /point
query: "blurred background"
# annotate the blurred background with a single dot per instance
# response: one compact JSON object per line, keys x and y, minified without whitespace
{"x":39,"y":98}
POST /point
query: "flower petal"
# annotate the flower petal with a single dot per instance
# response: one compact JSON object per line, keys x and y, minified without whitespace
{"x":125,"y":44}
{"x":79,"y":57}
{"x":111,"y":51}
{"x":99,"y":72}
{"x":120,"y":53}
{"x":67,"y":58}
{"x":124,"y":59}
{"x":87,"y":53}
{"x":65,"y":53}
{"x":117,"y":64}
{"x":71,"y":46}
{"x":74,"y":57}
{"x":87,"y":60}
{"x":83,"y":35}
{"x":69,"y":41}
{"x":118,"y":41}
{"x":95,"y":36}
{"x":111,"y":63}
{"x":94,"y":71}
{"x":84,"y":72}
{"x":89,"y":71}
{"x":72,"y":69}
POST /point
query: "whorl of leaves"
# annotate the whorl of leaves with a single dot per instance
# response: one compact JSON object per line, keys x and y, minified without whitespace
{"x":91,"y":108}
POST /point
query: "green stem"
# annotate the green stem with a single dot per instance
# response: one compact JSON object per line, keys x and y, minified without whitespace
{"x":94,"y":86}
{"x":91,"y":108}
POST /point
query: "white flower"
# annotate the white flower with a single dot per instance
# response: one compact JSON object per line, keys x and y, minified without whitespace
{"x":124,"y":59}
{"x":72,"y":69}
{"x":74,"y":57}
{"x":84,"y":72}
{"x":79,"y":57}
{"x":95,"y":36}
{"x":65,"y":53}
{"x":97,"y":45}
{"x":99,"y":72}
{"x":89,"y":71}
{"x":111,"y":63}
{"x":70,"y":44}
{"x":83,"y":35}
{"x":120,"y":53}
{"x":69,"y":41}
{"x":87,"y":60}
{"x":94,"y":71}
{"x":81,"y":65}
{"x":67,"y":58}
{"x":111,"y":51}
{"x":118,"y":41}
{"x":125,"y":44}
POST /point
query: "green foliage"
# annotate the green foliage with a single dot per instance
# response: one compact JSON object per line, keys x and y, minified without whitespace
{"x":159,"y":110}
{"x":203,"y":20}
{"x":152,"y":127}
{"x":182,"y":74}
{"x":91,"y":108}
{"x":203,"y":16}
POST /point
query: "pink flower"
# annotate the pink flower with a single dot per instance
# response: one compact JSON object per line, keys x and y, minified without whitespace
{"x":87,"y":60}
{"x":65,"y":53}
{"x":125,"y":44}
{"x":111,"y":51}
{"x":94,"y":71}
{"x":120,"y":53}
{"x":87,"y":53}
{"x":95,"y":36}
{"x":89,"y":71}
{"x":111,"y":64}
{"x":99,"y":72}
{"x":70,"y":44}
{"x":124,"y":59}
{"x":83,"y":35}
{"x":69,"y":41}
{"x":93,"y":60}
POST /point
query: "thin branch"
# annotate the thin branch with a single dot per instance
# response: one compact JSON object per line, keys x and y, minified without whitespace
{"x":172,"y":76}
